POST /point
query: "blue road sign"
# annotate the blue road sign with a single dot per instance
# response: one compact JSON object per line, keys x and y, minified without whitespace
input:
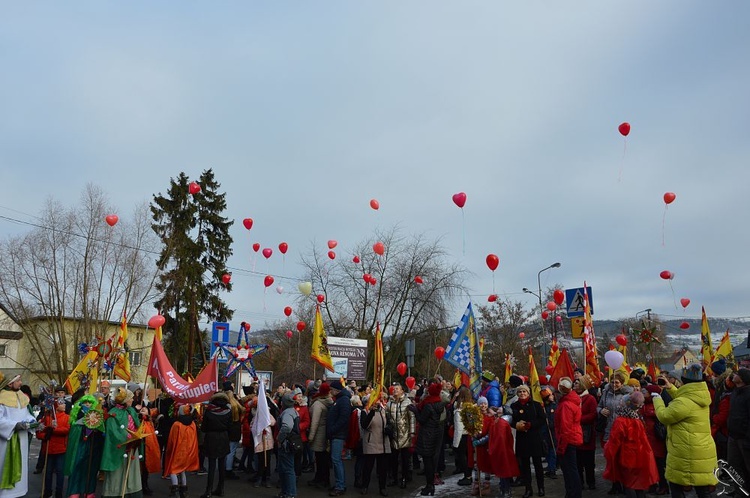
{"x":574,"y":301}
{"x":219,"y":336}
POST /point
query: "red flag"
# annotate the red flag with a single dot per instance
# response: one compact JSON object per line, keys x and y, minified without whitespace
{"x":201,"y":389}
{"x":563,"y":369}
{"x":589,"y":341}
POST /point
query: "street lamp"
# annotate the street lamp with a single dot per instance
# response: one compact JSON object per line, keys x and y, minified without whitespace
{"x":648,"y":311}
{"x":539,"y":285}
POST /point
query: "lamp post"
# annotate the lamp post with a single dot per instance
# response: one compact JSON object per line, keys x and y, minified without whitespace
{"x":648,"y":311}
{"x":539,"y":285}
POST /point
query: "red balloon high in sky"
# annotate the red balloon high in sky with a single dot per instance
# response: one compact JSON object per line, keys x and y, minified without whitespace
{"x":624,"y":129}
{"x":492,"y":261}
{"x":459,"y":199}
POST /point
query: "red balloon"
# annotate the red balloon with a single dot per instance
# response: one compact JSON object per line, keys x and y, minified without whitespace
{"x":459,"y":199}
{"x":267,"y":251}
{"x":666,"y":275}
{"x":194,"y":188}
{"x":378,"y":248}
{"x":492,"y":298}
{"x":669,"y":197}
{"x":558,"y":318}
{"x":288,"y":311}
{"x":684,"y":325}
{"x":248,"y":222}
{"x":549,"y":369}
{"x":156,"y":321}
{"x":410,"y":382}
{"x":283,"y":247}
{"x":355,"y":259}
{"x":685,"y":302}
{"x":256,"y":247}
{"x":621,"y":340}
{"x":522,"y":335}
{"x":366,"y":277}
{"x":558,"y":296}
{"x":332,"y":244}
{"x":373,"y":280}
{"x":321,"y":298}
{"x":226,"y":278}
{"x":268,"y":281}
{"x":551,"y":306}
{"x":545,"y":315}
{"x":418,"y":280}
{"x":289,"y":334}
{"x":624,"y":129}
{"x":492,"y":261}
{"x":439,"y":352}
{"x":375,"y":205}
{"x":401,"y":368}
{"x":112,"y":219}
{"x":300,"y":326}
{"x":331,"y":255}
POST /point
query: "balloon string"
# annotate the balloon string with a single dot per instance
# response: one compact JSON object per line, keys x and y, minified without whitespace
{"x":463,"y":231}
{"x":264,"y":299}
{"x":674,"y":298}
{"x":493,"y":282}
{"x":663,"y":219}
{"x":622,"y":162}
{"x":252,"y":260}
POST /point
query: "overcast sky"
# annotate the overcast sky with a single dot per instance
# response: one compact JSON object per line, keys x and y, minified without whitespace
{"x":307,"y":110}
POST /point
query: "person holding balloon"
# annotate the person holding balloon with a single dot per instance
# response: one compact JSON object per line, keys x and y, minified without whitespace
{"x":610,"y":400}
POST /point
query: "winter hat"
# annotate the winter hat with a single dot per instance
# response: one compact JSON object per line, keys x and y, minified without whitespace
{"x":336,"y":384}
{"x":586,"y":382}
{"x":692,"y":373}
{"x":515,"y":381}
{"x":324,"y":390}
{"x":123,"y":395}
{"x":634,"y":383}
{"x":434,"y":389}
{"x":744,"y":374}
{"x":653,"y":389}
{"x":719,"y":366}
{"x":565,"y":385}
{"x":219,"y":399}
{"x":482,"y":401}
{"x":546,"y":392}
{"x":523,"y":387}
{"x":287,"y":400}
{"x":227,"y":386}
{"x":633,"y":400}
{"x":248,"y":390}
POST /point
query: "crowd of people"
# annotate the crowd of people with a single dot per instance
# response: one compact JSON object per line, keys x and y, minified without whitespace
{"x":659,"y":436}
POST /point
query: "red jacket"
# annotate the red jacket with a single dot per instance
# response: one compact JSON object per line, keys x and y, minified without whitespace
{"x":720,"y":417}
{"x":658,"y":446}
{"x":304,"y":421}
{"x":568,"y":431}
{"x":588,"y":418}
{"x":630,"y":460}
{"x":57,"y":439}
{"x":502,"y":458}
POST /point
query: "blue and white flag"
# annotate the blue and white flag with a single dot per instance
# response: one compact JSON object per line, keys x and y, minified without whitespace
{"x":463,"y":350}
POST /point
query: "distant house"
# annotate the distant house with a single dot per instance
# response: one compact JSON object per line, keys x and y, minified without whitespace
{"x":742,"y":352}
{"x":678,"y":359}
{"x":11,"y":334}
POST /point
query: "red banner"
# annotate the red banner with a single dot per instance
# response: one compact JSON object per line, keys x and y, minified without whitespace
{"x":198,"y":391}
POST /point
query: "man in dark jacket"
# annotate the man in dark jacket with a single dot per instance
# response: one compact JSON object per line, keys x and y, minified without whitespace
{"x":738,"y":423}
{"x":337,"y":428}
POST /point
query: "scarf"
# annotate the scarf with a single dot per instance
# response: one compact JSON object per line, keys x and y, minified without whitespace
{"x":428,"y":400}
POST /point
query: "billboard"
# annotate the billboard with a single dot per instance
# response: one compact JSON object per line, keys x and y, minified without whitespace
{"x":349,"y":358}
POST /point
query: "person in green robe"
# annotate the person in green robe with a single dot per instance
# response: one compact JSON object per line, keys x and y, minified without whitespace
{"x":121,"y":455}
{"x":85,"y":443}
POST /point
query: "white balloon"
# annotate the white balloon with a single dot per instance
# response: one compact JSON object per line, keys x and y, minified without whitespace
{"x":280,"y":289}
{"x":305,"y":288}
{"x":614,"y":359}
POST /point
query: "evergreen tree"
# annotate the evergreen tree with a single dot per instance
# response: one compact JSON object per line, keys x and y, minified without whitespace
{"x":193,"y":260}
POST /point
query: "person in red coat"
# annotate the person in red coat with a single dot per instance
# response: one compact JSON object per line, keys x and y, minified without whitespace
{"x":569,"y":435}
{"x":658,"y":446}
{"x":500,"y":449}
{"x":629,"y":457}
{"x":586,"y":451}
{"x":300,"y":406}
{"x":54,"y":430}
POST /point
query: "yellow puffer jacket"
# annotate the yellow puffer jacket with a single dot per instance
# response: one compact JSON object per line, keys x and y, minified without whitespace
{"x":691,"y":452}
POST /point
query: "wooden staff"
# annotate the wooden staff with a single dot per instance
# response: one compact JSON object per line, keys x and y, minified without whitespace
{"x":127,"y":471}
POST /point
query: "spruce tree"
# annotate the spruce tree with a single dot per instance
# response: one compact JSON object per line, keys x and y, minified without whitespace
{"x":196,"y":246}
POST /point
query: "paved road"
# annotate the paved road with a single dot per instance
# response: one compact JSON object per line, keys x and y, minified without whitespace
{"x":241,"y":488}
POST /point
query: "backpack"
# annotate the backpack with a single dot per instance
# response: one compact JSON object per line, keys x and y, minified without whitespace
{"x":293,"y":441}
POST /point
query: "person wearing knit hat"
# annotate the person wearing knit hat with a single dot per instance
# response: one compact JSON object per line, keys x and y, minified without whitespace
{"x":634,"y":383}
{"x":586,"y":452}
{"x":319,"y":407}
{"x":635,"y":470}
{"x":657,"y":442}
{"x":565,"y":385}
{"x":691,"y":458}
{"x":529,"y":419}
{"x":288,"y":428}
{"x":719,"y":366}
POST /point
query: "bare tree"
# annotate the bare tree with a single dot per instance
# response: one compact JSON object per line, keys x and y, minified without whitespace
{"x":502,"y":323}
{"x":64,"y":279}
{"x":391,"y":297}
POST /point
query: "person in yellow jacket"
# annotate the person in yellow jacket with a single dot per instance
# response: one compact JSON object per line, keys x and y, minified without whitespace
{"x":691,"y":451}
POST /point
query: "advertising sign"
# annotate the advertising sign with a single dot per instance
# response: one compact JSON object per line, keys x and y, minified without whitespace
{"x":349,"y":358}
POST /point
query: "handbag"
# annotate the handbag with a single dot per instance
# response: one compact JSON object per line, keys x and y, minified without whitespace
{"x":601,"y":423}
{"x":293,"y":441}
{"x":587,"y":433}
{"x":660,"y":430}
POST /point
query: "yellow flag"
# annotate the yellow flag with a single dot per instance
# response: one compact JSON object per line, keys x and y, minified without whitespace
{"x":706,"y":349}
{"x":85,"y":373}
{"x":508,"y":373}
{"x":320,"y":351}
{"x":379,"y":370}
{"x":725,"y":350}
{"x":536,"y":389}
{"x":122,"y":366}
{"x":554,"y":353}
{"x":158,"y":333}
{"x":123,"y":331}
